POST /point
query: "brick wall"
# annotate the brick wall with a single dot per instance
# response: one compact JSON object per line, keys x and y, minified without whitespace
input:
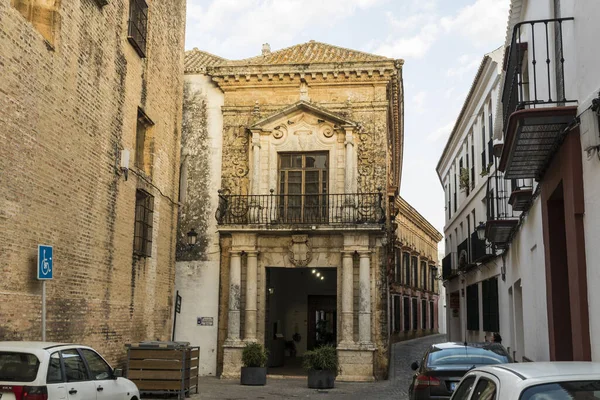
{"x":66,"y":109}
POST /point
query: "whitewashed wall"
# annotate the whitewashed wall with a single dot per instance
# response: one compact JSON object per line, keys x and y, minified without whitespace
{"x":198,"y":281}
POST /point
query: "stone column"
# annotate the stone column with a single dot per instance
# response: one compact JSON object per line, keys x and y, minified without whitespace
{"x":251,"y":292}
{"x":364,"y":310}
{"x":347,"y":337}
{"x":235,"y":280}
{"x":350,"y":166}
{"x":255,"y":163}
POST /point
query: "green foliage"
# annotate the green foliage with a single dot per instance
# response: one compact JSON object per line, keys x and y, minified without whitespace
{"x":322,"y":358}
{"x":254,"y":355}
{"x":463,"y":182}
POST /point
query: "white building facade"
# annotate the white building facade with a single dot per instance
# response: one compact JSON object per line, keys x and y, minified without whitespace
{"x":540,"y":203}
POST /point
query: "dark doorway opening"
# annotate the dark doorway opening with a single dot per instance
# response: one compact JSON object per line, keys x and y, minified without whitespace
{"x":301,"y":314}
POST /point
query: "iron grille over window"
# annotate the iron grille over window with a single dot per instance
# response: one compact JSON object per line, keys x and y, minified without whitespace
{"x":431,"y":322}
{"x":144,"y":210}
{"x":424,"y":275}
{"x":491,"y":315}
{"x":138,"y":25}
{"x":406,"y":263}
{"x":397,"y":314}
{"x":473,"y":307}
{"x":415,"y":273}
{"x":415,"y":319}
{"x":423,"y":314}
{"x":406,"y":313}
{"x":397,"y":265}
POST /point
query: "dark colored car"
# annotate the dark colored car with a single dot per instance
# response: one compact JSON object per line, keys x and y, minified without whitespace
{"x":444,"y":364}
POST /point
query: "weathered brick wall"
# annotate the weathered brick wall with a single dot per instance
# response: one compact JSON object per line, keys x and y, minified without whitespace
{"x":65,"y":111}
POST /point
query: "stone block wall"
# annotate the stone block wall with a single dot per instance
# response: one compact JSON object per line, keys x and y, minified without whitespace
{"x":68,"y":107}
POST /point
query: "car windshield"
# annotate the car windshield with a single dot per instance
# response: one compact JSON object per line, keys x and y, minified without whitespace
{"x":18,"y":367}
{"x":466,"y":355}
{"x":579,"y":390}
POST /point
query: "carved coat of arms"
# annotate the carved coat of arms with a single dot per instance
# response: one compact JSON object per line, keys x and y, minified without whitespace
{"x":300,"y":250}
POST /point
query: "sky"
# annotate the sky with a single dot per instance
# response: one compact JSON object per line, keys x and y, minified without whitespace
{"x":441,"y":41}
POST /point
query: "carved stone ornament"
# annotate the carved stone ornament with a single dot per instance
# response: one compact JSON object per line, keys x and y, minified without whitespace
{"x":279,"y":131}
{"x":300,"y":250}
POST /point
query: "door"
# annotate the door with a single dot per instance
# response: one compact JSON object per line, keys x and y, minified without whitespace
{"x":55,"y":378}
{"x":303,"y":187}
{"x":322,"y":321}
{"x":107,"y":387}
{"x":79,"y":385}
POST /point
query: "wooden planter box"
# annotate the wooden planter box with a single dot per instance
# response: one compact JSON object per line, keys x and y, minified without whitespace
{"x":163,"y":369}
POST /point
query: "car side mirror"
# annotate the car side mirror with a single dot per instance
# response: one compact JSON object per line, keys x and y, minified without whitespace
{"x":118,"y":373}
{"x":414,"y":366}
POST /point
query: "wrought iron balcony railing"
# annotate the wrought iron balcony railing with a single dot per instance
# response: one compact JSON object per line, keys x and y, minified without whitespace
{"x":521,"y":194}
{"x":529,"y":84}
{"x":501,"y":217}
{"x":296,"y":209}
{"x":449,"y":266}
{"x":480,"y":250}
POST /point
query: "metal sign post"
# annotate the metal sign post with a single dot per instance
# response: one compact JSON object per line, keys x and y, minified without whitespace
{"x":177,"y":311}
{"x":44,"y":273}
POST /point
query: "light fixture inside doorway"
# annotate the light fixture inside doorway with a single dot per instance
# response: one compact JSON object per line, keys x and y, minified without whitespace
{"x":322,"y":277}
{"x":318,"y":274}
{"x":314,"y":271}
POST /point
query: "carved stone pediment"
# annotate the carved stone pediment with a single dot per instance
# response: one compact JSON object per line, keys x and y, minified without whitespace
{"x":300,"y":250}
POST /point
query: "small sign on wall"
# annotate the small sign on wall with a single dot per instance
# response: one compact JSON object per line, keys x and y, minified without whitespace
{"x":205,"y":321}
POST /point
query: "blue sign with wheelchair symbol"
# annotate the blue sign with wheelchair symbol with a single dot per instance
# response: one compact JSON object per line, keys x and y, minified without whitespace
{"x":44,"y":270}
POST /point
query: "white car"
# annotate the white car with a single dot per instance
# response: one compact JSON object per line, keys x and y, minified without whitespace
{"x":54,"y":371}
{"x":531,"y":381}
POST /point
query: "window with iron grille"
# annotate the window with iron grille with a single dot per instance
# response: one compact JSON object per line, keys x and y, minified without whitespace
{"x":424,"y":275}
{"x":473,"y":307}
{"x":431,"y":322}
{"x":423,"y":314}
{"x":415,"y":319}
{"x":491,"y":314}
{"x":397,"y":319}
{"x":397,"y":265}
{"x":406,"y":313}
{"x":406,"y":263}
{"x":432,"y":279}
{"x":144,"y":210}
{"x":415,"y":277}
{"x":138,"y":26}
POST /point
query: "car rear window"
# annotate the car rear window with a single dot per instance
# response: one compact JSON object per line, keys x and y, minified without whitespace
{"x":18,"y":367}
{"x":466,"y":355}
{"x":579,"y":390}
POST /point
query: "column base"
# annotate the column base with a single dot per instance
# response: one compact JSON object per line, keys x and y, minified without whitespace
{"x":356,"y":363}
{"x":232,"y":359}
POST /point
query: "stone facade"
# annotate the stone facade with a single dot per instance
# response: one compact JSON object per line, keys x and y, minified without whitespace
{"x":311,"y":98}
{"x":415,"y":285}
{"x":73,"y":88}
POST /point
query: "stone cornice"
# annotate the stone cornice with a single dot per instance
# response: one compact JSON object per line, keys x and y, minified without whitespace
{"x":415,"y":217}
{"x":226,"y":75}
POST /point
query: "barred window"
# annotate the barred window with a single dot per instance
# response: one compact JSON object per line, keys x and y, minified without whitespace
{"x":144,"y":210}
{"x":423,"y":314}
{"x":491,"y":314}
{"x":397,"y":313}
{"x":138,"y":25}
{"x":406,"y":266}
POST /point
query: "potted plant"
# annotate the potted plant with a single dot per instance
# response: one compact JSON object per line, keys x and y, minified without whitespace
{"x":322,"y":367}
{"x":463,"y":182}
{"x":254,"y":371}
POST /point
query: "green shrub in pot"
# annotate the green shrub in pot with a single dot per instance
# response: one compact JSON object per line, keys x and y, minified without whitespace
{"x":254,"y":359}
{"x":322,"y":366}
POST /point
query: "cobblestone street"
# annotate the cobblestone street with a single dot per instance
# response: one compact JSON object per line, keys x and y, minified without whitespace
{"x":294,"y":388}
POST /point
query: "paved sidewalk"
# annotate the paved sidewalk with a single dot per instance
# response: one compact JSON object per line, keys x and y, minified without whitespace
{"x":404,"y":353}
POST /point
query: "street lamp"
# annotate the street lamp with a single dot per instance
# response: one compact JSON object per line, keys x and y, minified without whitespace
{"x":481,"y":231}
{"x":192,"y":236}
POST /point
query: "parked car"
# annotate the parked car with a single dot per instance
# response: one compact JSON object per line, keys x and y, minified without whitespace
{"x":444,"y":364}
{"x":54,"y":371}
{"x":532,"y":381}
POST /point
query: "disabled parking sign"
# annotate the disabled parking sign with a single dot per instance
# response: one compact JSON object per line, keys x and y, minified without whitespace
{"x":44,"y":262}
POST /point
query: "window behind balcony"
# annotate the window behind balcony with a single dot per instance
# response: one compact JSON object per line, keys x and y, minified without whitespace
{"x":303,"y":187}
{"x":144,"y":211}
{"x":138,"y":25}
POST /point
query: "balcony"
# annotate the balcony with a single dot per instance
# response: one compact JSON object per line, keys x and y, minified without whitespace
{"x":464,"y":259}
{"x":480,"y":251}
{"x":449,"y":269}
{"x":291,"y":211}
{"x":502,"y":219}
{"x":521,"y":194}
{"x":535,"y":108}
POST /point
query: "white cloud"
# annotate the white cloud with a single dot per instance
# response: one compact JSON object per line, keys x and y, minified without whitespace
{"x":411,"y":47}
{"x":418,"y":102}
{"x":441,"y":133}
{"x":467,"y":64}
{"x":246,"y":24}
{"x":483,"y":22}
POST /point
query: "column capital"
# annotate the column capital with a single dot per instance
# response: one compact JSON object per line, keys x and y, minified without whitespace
{"x":364,"y":253}
{"x":252,"y":253}
{"x":236,"y":252}
{"x":348,"y":253}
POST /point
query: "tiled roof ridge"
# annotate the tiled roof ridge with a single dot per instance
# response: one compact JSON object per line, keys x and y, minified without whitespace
{"x":287,"y":49}
{"x":197,"y":50}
